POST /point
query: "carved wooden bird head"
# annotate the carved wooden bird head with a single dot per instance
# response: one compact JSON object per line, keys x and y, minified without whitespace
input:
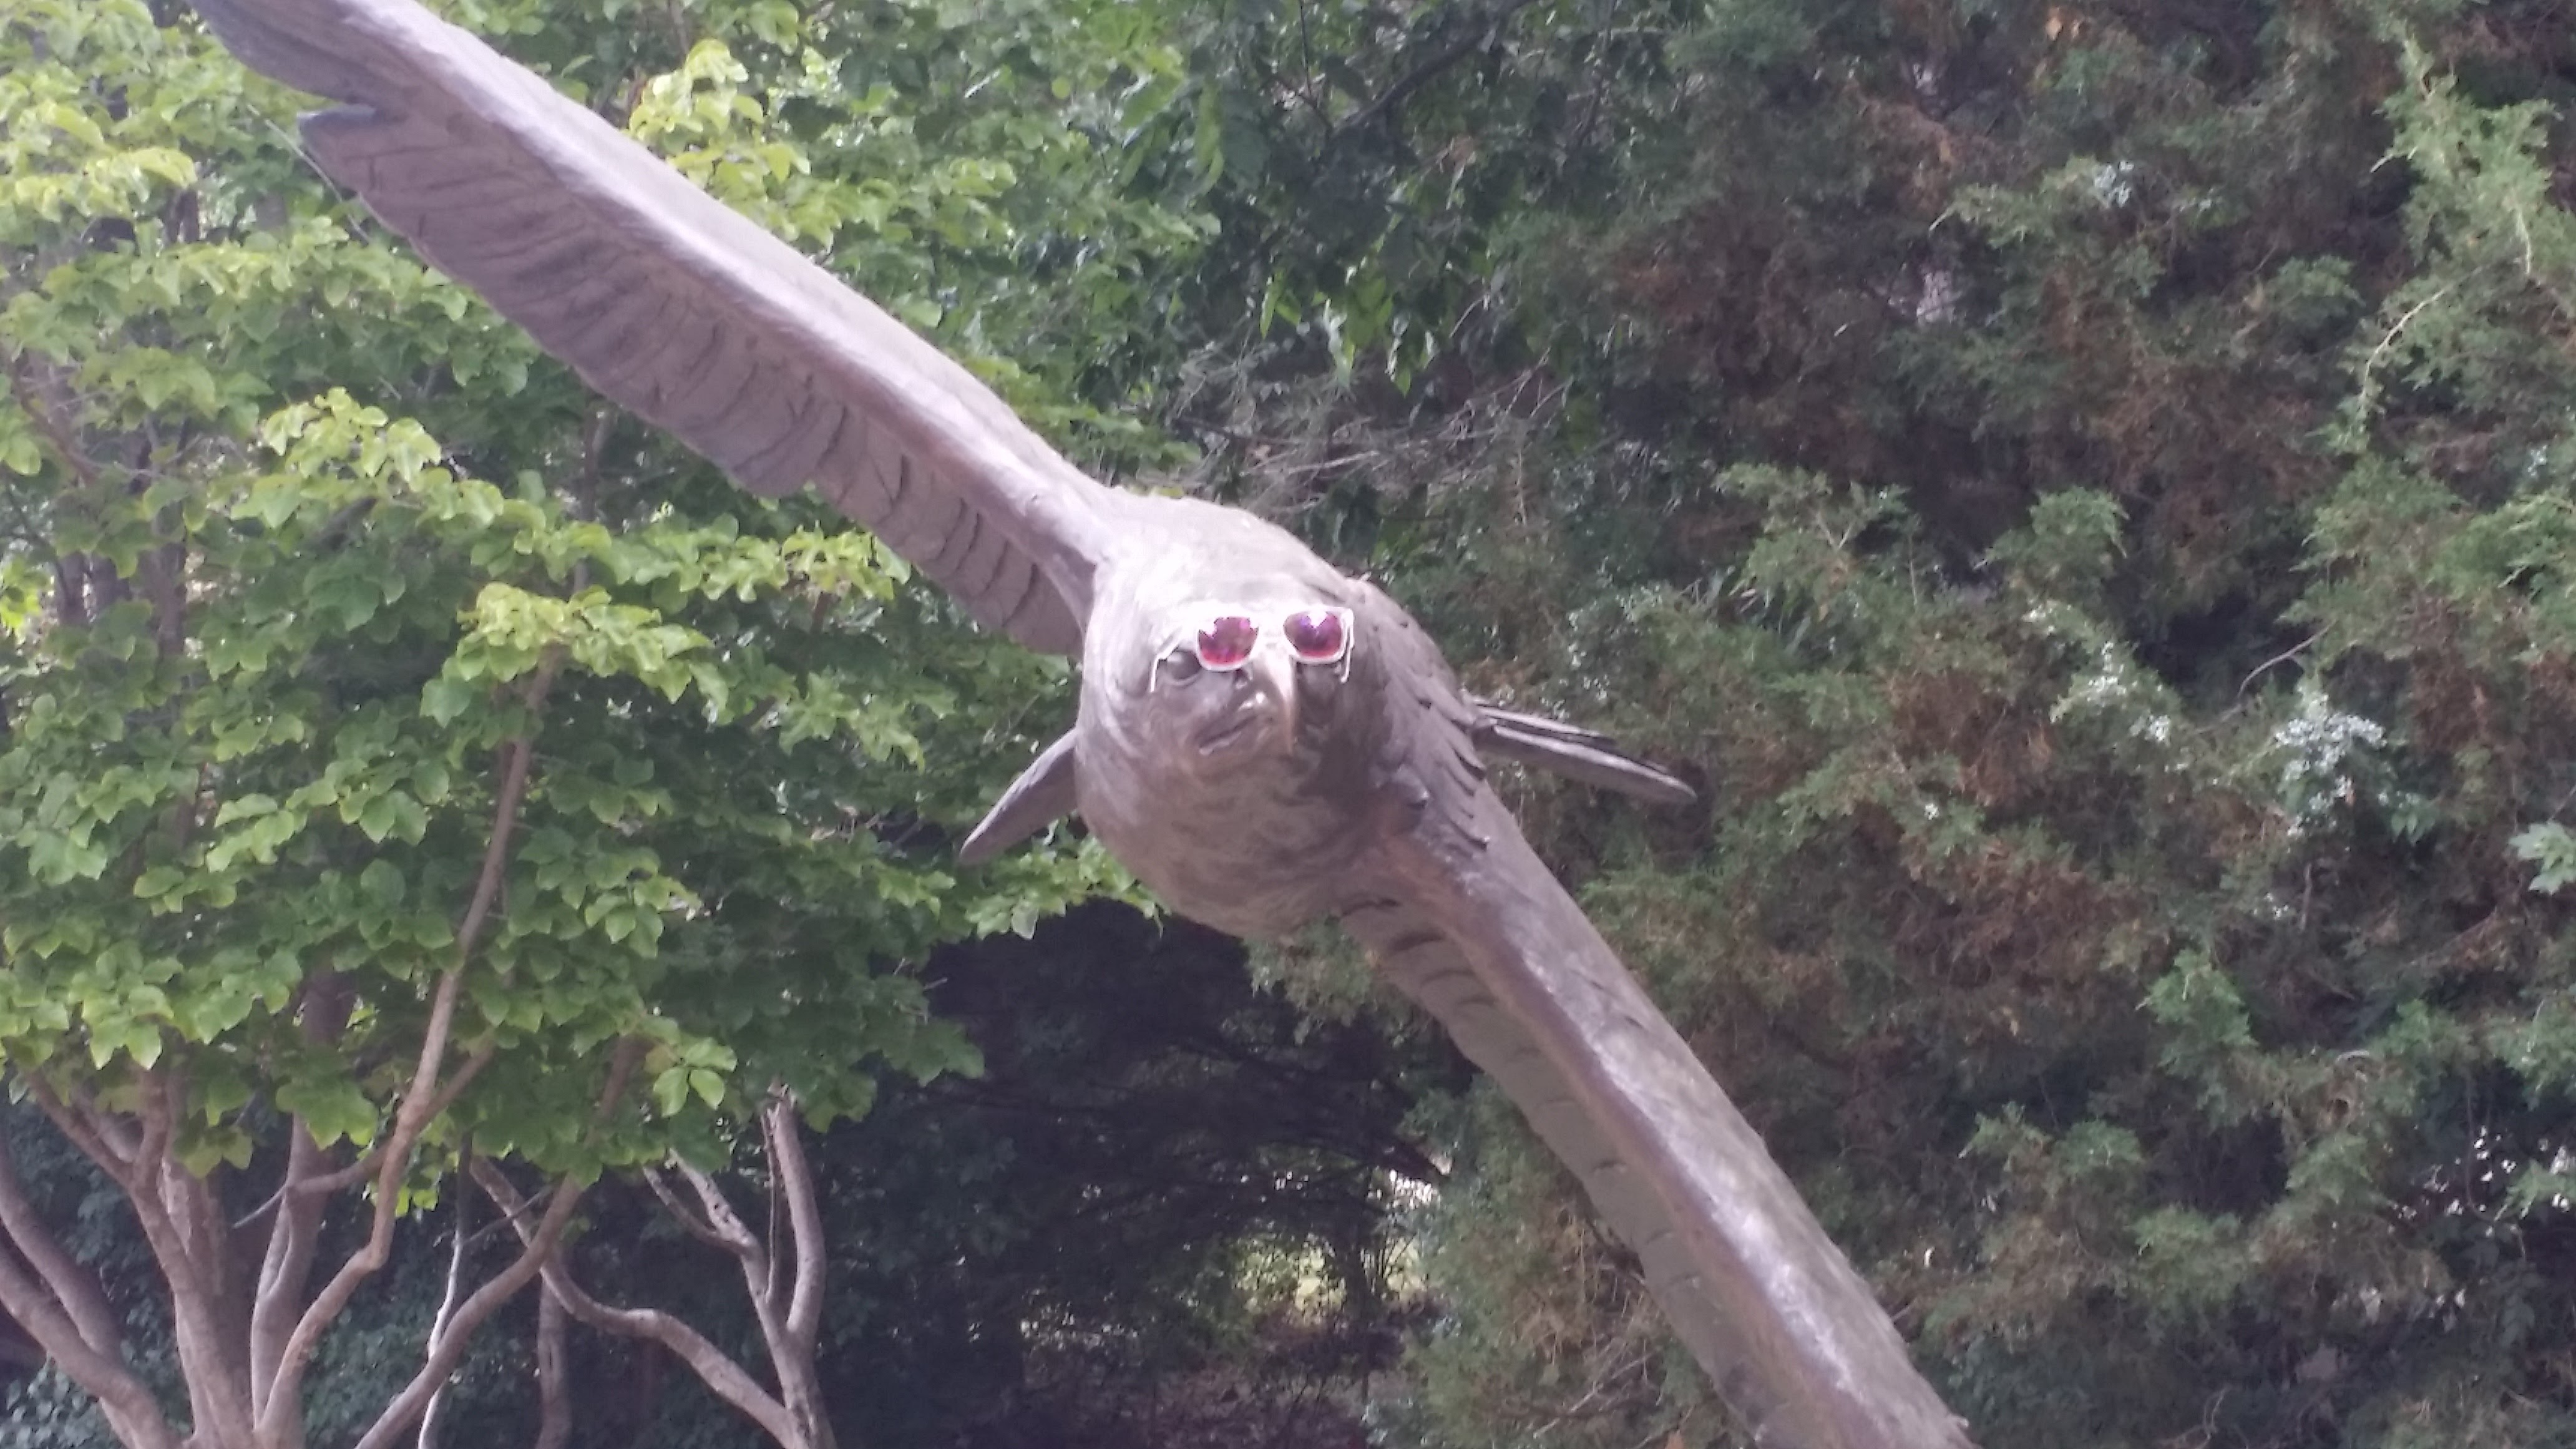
{"x":1231,"y":711}
{"x":1222,"y":684}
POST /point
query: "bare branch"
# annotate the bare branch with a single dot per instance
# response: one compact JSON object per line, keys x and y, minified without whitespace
{"x":486,"y":1300}
{"x":71,"y":1285}
{"x":685,"y":1215}
{"x":70,"y":1318}
{"x":790,"y":1353}
{"x":792,"y":1177}
{"x":517,"y":755}
{"x":460,"y":1237}
{"x":721,"y":1218}
{"x":747,"y":1250}
{"x":534,"y":1257}
{"x":538,"y":1248}
{"x":722,"y":1376}
{"x":125,"y":1399}
{"x":322,"y":1017}
{"x":791,"y":1343}
{"x":554,"y":1386}
{"x":186,"y":1234}
{"x":287,"y":1265}
{"x":342,"y":1179}
{"x":466,"y":1071}
{"x":95,"y":1134}
{"x":191,"y":1243}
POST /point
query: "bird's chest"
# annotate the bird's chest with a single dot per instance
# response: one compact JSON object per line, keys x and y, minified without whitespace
{"x":1258,"y":851}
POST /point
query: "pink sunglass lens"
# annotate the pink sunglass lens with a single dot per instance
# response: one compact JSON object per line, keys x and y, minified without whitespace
{"x":1225,"y":643}
{"x":1317,"y":636}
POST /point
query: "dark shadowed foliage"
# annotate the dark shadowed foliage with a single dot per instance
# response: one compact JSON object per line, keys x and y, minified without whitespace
{"x":2086,"y":484}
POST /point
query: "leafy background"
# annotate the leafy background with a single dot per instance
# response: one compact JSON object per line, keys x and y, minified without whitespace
{"x":2084,"y":487}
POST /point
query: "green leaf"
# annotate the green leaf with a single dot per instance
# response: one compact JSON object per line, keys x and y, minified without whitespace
{"x":333,"y":1109}
{"x":2551,"y":848}
{"x":671,"y":1091}
{"x":445,"y":698}
{"x":382,"y":881}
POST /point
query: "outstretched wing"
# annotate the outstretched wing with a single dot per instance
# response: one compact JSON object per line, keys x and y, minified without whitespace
{"x":1466,"y":919}
{"x":682,"y":311}
{"x":1482,"y":936}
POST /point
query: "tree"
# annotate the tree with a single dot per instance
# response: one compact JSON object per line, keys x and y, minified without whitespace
{"x":2083,"y":483}
{"x":1168,"y":1197}
{"x":409,"y":766}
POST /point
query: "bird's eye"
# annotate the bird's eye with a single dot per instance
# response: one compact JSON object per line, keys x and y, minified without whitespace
{"x":1317,"y":636}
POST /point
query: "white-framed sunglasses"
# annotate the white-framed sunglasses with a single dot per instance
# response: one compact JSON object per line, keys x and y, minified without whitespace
{"x":1225,"y":639}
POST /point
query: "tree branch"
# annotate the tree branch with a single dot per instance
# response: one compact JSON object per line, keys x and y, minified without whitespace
{"x":748,"y":1251}
{"x":93,"y":1134}
{"x":791,"y":1343}
{"x":287,"y":1264}
{"x":538,"y":1248}
{"x":191,"y":1244}
{"x":70,"y":1319}
{"x":60,"y":437}
{"x":726,"y":1224}
{"x":518,"y":754}
{"x":460,"y":1236}
{"x":424,"y":1097}
{"x":486,"y":1300}
{"x":792,"y":1176}
{"x":554,"y":1374}
{"x":124,"y":1398}
{"x":322,"y":1017}
{"x":184,"y":1232}
{"x":722,"y":1376}
{"x":71,"y":1285}
{"x":681,"y":1212}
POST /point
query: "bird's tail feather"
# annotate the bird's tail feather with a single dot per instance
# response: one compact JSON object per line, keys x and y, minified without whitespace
{"x":1574,"y":752}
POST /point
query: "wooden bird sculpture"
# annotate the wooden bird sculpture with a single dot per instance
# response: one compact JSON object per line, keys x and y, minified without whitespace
{"x":1264,"y":740}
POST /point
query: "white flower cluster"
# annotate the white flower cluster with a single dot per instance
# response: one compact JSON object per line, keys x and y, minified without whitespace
{"x":2317,"y":742}
{"x":2115,"y":683}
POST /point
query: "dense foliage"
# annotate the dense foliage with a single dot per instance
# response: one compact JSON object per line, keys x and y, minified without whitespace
{"x":2084,"y":486}
{"x":404,"y":758}
{"x":2085,"y":483}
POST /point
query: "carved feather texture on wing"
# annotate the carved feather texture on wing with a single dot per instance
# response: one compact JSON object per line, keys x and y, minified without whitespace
{"x":681,"y":310}
{"x":1466,"y":920}
{"x":1795,"y":1340}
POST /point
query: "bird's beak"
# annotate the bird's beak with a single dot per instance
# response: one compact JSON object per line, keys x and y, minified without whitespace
{"x":1274,"y":673}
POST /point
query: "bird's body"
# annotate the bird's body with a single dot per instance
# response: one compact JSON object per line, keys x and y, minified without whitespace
{"x":1237,"y":807}
{"x":1262,"y":740}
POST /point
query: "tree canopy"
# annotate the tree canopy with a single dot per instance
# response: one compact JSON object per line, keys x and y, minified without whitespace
{"x":406,"y":760}
{"x":2083,"y":487}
